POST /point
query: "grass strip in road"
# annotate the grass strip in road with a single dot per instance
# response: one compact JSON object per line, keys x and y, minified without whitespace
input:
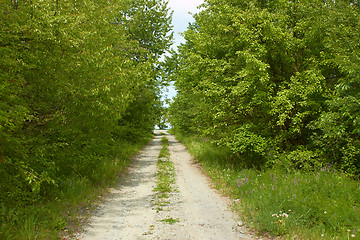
{"x":165,"y":177}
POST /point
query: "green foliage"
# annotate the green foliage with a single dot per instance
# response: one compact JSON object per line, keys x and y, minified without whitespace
{"x":165,"y":176}
{"x":170,"y":220}
{"x":300,"y":159}
{"x":322,"y":202}
{"x":339,"y":136}
{"x":268,"y":78}
{"x":319,"y":204}
{"x":75,"y":86}
{"x":149,"y":23}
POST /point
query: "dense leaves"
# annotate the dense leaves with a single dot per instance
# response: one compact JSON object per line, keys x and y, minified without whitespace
{"x":273,"y":79}
{"x":74,"y":82}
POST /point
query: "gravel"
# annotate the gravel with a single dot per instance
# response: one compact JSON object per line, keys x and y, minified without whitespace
{"x":195,"y":210}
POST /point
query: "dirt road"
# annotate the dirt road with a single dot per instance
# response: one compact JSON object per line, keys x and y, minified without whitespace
{"x":196,"y":211}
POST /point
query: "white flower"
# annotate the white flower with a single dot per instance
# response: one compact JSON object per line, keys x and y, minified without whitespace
{"x":352,"y":235}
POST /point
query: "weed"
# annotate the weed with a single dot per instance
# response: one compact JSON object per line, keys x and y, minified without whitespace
{"x":165,"y":176}
{"x":170,"y":220}
{"x":63,"y":209}
{"x":298,"y":204}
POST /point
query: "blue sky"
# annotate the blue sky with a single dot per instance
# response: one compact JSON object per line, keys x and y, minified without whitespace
{"x":181,"y":19}
{"x":181,"y":16}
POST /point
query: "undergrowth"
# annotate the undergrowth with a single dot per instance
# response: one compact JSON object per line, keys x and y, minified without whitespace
{"x":61,"y":212}
{"x":319,"y":204}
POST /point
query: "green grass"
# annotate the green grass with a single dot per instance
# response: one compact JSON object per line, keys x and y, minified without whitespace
{"x":165,"y":176}
{"x":62,"y":211}
{"x":170,"y":220}
{"x":322,"y":204}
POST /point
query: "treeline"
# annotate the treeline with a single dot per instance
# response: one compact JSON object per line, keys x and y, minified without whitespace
{"x":78,"y":78}
{"x":276,"y":82}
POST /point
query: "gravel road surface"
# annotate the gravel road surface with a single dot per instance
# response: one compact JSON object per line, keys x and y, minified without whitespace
{"x":194,"y":209}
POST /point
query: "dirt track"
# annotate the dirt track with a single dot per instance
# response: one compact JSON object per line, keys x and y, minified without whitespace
{"x":129,"y":212}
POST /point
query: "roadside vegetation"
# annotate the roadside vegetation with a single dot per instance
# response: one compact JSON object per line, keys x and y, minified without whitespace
{"x":272,"y":80}
{"x":268,"y":98}
{"x":61,"y":214}
{"x":80,"y":95}
{"x":321,"y":203}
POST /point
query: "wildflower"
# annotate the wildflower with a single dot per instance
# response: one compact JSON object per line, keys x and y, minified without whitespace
{"x":240,"y":182}
{"x":325,"y":212}
{"x":353,"y":235}
{"x":246,"y":179}
{"x":322,"y":235}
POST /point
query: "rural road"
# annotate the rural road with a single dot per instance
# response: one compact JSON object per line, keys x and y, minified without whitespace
{"x":129,"y":212}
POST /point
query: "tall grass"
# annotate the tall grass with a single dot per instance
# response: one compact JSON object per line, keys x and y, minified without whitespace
{"x":61,"y":212}
{"x":321,"y":204}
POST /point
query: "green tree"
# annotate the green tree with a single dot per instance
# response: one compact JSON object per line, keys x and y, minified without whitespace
{"x":262,"y":77}
{"x":67,"y":76}
{"x":149,"y":23}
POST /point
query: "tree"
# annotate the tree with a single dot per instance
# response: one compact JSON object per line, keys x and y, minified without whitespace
{"x":148,"y":23}
{"x":261,"y":77}
{"x":68,"y":76}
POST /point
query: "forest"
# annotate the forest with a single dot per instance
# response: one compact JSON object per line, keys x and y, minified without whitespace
{"x":273,"y":80}
{"x":269,"y":102}
{"x":79,"y":89}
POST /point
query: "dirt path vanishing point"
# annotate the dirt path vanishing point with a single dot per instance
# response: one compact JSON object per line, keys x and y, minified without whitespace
{"x":197,"y":211}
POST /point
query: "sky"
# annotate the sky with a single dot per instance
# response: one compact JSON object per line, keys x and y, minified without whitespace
{"x":181,"y":19}
{"x":181,"y":16}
